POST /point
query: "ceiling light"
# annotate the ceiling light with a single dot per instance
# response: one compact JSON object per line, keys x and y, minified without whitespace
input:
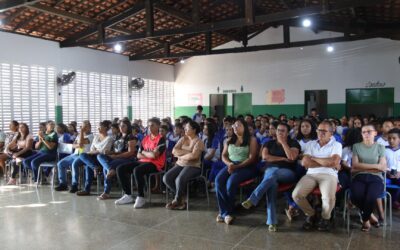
{"x":306,"y":23}
{"x":118,"y":47}
{"x":330,"y":48}
{"x":182,"y":61}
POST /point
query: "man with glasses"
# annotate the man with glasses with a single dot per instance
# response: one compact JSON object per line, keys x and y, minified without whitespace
{"x":322,"y":161}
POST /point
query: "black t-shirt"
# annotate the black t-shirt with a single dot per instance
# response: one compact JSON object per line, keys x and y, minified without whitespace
{"x":276,"y":149}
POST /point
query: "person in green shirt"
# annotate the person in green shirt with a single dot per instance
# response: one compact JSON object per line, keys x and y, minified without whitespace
{"x":368,"y":165}
{"x":47,"y":149}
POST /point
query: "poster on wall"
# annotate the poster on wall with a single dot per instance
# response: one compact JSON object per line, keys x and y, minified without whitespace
{"x":195,"y":99}
{"x":275,"y":96}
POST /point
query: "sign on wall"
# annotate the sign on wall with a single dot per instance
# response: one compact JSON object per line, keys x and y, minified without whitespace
{"x":275,"y":96}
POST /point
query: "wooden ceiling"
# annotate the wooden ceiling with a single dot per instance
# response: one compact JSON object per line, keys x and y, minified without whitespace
{"x":165,"y":31}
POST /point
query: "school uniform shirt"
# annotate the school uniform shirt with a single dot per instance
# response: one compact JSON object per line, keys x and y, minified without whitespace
{"x":260,"y":136}
{"x":172,"y":139}
{"x":347,"y":155}
{"x":393,"y":158}
{"x":313,"y":149}
{"x":382,"y":141}
{"x":303,"y":144}
{"x":2,"y":140}
{"x":197,"y":118}
{"x":214,"y":145}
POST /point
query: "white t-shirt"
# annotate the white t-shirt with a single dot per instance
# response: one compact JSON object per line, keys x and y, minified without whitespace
{"x":392,"y":158}
{"x":103,"y":146}
{"x":347,"y":155}
{"x":86,"y":147}
{"x":382,"y":141}
{"x":303,"y":144}
{"x":315,"y":150}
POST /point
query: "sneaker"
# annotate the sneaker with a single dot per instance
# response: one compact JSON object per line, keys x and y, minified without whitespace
{"x":61,"y":187}
{"x":103,"y":196}
{"x":309,"y":223}
{"x":247,"y":204}
{"x":323,"y":225}
{"x":228,"y":220}
{"x":125,"y":199}
{"x":73,"y":189}
{"x":219,"y":218}
{"x":83,"y":193}
{"x":139,"y":202}
{"x":272,"y":228}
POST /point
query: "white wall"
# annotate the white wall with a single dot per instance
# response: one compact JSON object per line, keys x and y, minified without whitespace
{"x":28,"y":51}
{"x":295,"y":70}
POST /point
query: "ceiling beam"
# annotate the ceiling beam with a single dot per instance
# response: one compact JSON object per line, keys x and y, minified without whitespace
{"x":261,"y":47}
{"x":107,"y":24}
{"x":240,"y":22}
{"x":11,"y":4}
{"x":63,"y":14}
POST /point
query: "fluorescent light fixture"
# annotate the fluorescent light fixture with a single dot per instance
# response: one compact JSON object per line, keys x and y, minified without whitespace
{"x":182,"y":61}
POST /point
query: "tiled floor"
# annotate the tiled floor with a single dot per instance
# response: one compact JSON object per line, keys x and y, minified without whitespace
{"x":33,"y":218}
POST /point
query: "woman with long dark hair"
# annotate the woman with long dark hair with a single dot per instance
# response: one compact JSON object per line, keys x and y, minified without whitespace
{"x":239,"y":156}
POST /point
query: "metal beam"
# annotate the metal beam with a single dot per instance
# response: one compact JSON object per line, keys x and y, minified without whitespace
{"x":262,"y":47}
{"x":11,"y":4}
{"x":110,"y":22}
{"x":249,"y":12}
{"x":240,"y":22}
{"x":149,"y":17}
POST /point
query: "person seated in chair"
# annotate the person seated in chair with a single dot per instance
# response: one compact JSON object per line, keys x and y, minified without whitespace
{"x":280,"y":157}
{"x":188,"y":150}
{"x":321,"y":158}
{"x":47,"y":146}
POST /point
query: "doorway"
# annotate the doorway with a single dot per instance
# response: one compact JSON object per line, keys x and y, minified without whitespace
{"x":317,"y":99}
{"x":218,"y":105}
{"x":242,"y":104}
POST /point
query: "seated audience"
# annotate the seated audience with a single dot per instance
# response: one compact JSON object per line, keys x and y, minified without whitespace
{"x":393,"y":163}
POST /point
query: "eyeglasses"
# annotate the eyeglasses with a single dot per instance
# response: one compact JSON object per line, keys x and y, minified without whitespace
{"x":367,"y":132}
{"x":281,"y":130}
{"x":322,"y":131}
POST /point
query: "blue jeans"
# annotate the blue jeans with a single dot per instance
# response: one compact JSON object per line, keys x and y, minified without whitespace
{"x":227,"y":185}
{"x":215,"y":168}
{"x":269,"y":186}
{"x":73,"y":161}
{"x":107,"y":163}
{"x":90,"y":162}
{"x":33,"y":162}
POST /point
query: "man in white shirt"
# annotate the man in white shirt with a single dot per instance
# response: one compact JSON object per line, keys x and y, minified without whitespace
{"x":322,"y":159}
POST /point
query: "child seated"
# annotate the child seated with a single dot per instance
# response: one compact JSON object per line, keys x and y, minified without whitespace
{"x":393,"y":163}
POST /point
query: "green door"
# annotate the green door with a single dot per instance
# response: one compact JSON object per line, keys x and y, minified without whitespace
{"x":377,"y":101}
{"x":242,"y":104}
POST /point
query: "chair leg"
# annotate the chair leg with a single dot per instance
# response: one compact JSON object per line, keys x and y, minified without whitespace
{"x":390,"y":208}
{"x":206,"y":189}
{"x":39,"y":175}
{"x":53,"y":171}
{"x":149,"y":188}
{"x":187,"y":197}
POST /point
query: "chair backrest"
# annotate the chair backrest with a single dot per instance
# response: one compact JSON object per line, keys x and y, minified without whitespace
{"x":65,"y":148}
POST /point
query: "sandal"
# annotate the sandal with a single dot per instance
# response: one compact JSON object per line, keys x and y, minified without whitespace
{"x":111,"y":174}
{"x":12,"y":182}
{"x":103,"y":196}
{"x":365,"y":227}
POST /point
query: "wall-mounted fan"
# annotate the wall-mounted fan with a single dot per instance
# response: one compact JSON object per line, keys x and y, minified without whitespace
{"x":137,"y":83}
{"x":65,"y":79}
